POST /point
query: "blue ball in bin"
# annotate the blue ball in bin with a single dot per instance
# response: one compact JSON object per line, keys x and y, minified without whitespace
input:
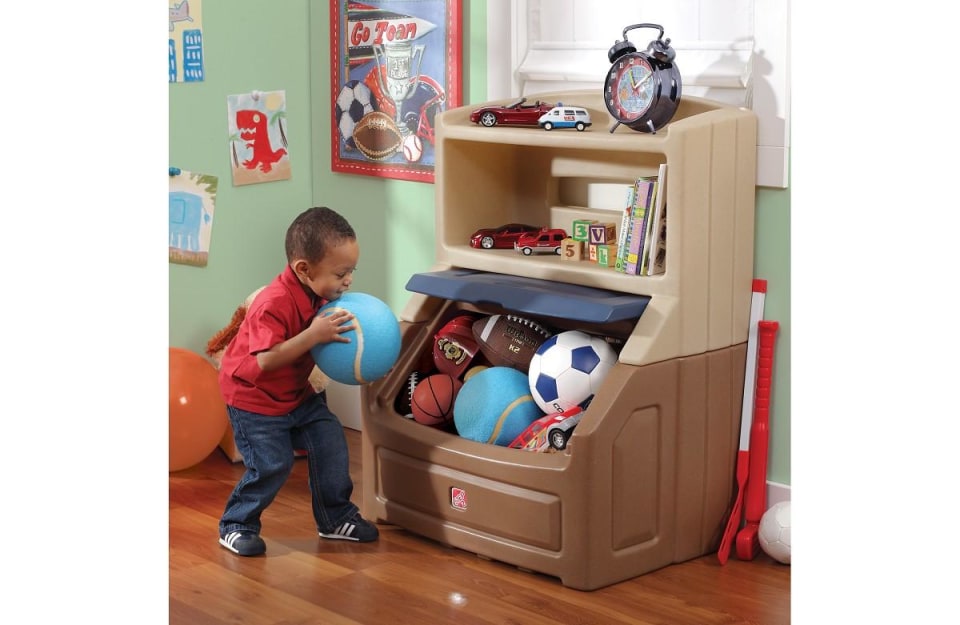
{"x":495,"y":406}
{"x":374,"y":342}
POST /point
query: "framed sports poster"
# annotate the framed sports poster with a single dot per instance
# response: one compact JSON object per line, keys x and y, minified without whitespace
{"x":395,"y":65}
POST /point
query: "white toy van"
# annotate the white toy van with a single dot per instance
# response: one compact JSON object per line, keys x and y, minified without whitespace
{"x":562,"y":116}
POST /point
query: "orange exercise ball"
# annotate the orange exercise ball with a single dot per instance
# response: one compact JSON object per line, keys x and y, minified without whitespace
{"x":198,"y":416}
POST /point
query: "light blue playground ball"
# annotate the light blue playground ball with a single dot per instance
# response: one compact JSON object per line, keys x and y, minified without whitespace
{"x":495,"y":406}
{"x":374,"y":342}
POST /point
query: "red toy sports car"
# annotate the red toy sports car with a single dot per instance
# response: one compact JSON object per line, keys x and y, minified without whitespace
{"x":500,"y":238}
{"x":517,"y":113}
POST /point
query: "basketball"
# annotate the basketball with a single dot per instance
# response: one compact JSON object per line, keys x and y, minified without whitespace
{"x":433,"y":400}
{"x":374,"y":342}
{"x":495,"y":406}
{"x":198,"y":415}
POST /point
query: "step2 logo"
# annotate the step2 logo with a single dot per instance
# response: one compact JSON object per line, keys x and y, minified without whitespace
{"x":458,"y":498}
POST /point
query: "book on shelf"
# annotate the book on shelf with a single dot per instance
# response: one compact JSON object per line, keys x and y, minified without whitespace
{"x":645,"y":191}
{"x":652,"y":232}
{"x":620,"y":260}
{"x":658,"y":263}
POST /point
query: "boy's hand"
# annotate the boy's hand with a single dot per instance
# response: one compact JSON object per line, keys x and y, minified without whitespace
{"x":329,"y":328}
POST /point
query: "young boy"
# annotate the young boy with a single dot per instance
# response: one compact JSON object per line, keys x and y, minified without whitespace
{"x":273,"y":409}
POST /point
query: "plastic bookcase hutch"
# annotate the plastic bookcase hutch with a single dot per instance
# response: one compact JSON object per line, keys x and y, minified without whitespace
{"x":646,"y":479}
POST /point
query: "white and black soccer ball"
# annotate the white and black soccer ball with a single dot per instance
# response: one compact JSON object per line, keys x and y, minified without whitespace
{"x":353,"y":102}
{"x":774,"y":532}
{"x":568,"y":369}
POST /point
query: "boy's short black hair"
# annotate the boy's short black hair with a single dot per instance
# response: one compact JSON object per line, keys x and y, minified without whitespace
{"x":313,"y":231}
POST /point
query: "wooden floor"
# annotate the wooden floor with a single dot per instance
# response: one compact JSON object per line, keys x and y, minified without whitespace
{"x":404,"y":578}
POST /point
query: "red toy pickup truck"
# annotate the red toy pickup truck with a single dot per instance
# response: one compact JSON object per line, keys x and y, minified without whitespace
{"x":547,"y":241}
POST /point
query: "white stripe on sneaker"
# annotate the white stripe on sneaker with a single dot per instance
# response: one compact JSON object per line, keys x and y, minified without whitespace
{"x":244,"y":543}
{"x":228,"y":540}
{"x":356,"y":529}
{"x":344,"y":532}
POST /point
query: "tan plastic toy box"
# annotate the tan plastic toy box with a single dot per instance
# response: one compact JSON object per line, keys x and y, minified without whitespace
{"x":646,"y":479}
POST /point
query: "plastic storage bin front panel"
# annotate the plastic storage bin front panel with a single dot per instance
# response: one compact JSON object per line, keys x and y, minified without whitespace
{"x":449,"y":495}
{"x":666,"y":435}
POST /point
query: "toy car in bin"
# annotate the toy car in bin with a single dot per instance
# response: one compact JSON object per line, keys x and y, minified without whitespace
{"x":545,"y":241}
{"x":501,"y":238}
{"x":517,"y":113}
{"x":549,"y":432}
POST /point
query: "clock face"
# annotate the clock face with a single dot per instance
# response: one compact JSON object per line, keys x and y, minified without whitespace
{"x":630,"y":87}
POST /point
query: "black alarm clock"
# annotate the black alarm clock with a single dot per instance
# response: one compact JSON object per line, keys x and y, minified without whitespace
{"x":642,"y":89}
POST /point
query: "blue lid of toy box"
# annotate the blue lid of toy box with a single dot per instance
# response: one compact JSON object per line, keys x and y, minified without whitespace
{"x":530,"y":295}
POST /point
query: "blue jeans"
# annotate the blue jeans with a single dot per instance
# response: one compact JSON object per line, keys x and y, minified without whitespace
{"x":267,"y":444}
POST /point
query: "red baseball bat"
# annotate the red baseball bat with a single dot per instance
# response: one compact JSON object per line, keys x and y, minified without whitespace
{"x":746,"y":419}
{"x":755,"y":502}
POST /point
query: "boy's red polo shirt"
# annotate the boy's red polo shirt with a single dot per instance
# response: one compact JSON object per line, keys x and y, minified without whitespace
{"x":282,"y":310}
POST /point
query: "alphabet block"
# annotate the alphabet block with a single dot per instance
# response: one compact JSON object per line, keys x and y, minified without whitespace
{"x":581,"y":229}
{"x":606,"y":255}
{"x":602,"y":233}
{"x":571,"y":249}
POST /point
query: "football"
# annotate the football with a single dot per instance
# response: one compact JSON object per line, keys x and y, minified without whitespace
{"x":568,"y":369}
{"x":509,"y":340}
{"x":403,"y":403}
{"x":377,"y":136}
{"x":353,"y":102}
{"x":774,"y":532}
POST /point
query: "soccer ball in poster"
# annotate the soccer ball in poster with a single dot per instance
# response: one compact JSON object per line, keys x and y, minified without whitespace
{"x":353,"y":102}
{"x":568,"y":369}
{"x":774,"y":532}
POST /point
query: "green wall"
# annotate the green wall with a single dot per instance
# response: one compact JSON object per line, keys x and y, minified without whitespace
{"x":248,"y":45}
{"x":772,"y":262}
{"x":253,"y":45}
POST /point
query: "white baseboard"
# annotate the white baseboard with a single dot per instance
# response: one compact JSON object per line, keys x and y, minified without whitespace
{"x":344,"y":401}
{"x":777,"y":493}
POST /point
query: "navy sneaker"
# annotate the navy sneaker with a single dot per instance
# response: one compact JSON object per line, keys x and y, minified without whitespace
{"x":244,"y":543}
{"x":356,"y":529}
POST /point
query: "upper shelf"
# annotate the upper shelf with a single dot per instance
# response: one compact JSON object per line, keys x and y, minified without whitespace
{"x":509,"y":174}
{"x":691,"y":112}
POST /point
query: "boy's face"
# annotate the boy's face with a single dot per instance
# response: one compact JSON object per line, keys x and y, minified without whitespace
{"x":331,"y":277}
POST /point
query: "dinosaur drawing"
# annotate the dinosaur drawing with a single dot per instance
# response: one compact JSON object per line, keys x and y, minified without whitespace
{"x":252,"y":125}
{"x":180,"y":13}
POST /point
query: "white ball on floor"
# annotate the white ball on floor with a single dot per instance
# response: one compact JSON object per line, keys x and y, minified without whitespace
{"x":412,"y":148}
{"x":774,"y":532}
